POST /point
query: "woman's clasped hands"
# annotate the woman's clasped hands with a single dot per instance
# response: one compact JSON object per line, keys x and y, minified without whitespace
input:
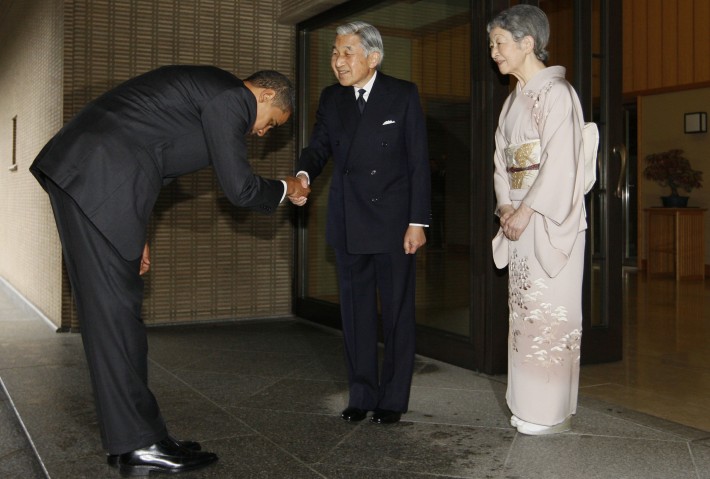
{"x":514,"y":221}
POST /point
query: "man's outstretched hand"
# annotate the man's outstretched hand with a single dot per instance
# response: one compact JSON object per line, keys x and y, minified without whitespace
{"x":297,"y":190}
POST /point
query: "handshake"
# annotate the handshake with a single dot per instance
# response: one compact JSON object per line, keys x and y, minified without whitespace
{"x":297,"y":189}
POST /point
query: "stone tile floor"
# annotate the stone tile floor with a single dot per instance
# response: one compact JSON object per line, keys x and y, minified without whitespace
{"x":265,"y":396}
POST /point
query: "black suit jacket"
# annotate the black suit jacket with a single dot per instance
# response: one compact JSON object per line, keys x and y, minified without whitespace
{"x":114,"y":156}
{"x":381,"y":174}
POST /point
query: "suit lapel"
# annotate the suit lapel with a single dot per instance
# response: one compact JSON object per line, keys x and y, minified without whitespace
{"x":378,"y":102}
{"x":363,"y":127}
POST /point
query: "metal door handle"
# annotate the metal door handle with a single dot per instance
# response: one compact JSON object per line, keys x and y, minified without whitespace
{"x":621,"y":151}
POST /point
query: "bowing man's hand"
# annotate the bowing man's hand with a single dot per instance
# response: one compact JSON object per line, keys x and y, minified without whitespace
{"x":414,"y":238}
{"x":297,"y":190}
{"x":145,"y":260}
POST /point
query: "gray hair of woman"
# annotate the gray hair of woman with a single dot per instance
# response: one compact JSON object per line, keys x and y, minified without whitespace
{"x":522,"y":21}
{"x":370,"y":37}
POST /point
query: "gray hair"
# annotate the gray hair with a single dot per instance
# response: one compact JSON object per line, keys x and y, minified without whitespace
{"x":370,"y":37}
{"x":525,"y":20}
{"x":285,"y":98}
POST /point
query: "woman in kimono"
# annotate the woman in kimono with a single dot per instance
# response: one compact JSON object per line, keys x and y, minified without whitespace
{"x":539,"y":185}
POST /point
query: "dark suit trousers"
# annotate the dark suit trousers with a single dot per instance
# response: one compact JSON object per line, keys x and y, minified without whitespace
{"x":361,"y":276}
{"x":109,"y":293}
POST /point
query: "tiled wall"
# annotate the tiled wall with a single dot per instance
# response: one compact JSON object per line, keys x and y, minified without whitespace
{"x":210,"y":261}
{"x":30,"y":82}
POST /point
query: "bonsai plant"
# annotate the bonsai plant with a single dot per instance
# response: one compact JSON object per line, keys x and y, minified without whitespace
{"x":670,"y":168}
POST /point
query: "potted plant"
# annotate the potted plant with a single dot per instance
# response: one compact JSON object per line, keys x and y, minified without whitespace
{"x":670,"y":168}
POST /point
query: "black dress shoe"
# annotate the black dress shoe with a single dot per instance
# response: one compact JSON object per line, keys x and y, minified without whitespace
{"x":383,"y":416}
{"x":353,"y":414}
{"x":164,"y":456}
{"x":112,"y":459}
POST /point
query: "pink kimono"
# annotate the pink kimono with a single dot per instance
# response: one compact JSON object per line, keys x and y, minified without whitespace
{"x":539,"y":161}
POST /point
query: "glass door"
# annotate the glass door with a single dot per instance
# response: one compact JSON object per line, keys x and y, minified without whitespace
{"x":629,"y":196}
{"x":597,"y":75}
{"x":427,"y":42}
{"x":441,"y":45}
{"x":587,"y":40}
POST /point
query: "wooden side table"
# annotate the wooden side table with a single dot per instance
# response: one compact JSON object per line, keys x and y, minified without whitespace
{"x":675,"y":243}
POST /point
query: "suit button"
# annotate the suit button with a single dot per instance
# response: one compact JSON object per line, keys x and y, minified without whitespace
{"x":373,"y":172}
{"x":347,"y":172}
{"x":384,"y":144}
{"x":374,"y":200}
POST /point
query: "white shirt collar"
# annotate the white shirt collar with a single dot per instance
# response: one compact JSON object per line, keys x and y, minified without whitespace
{"x":367,"y":87}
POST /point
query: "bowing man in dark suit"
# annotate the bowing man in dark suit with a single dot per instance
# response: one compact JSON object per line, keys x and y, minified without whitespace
{"x":103,"y":172}
{"x":373,"y":127}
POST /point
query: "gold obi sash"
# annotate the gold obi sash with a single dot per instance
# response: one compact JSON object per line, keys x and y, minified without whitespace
{"x":523,"y":163}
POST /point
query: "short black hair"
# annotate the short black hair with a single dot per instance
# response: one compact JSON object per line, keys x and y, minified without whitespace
{"x":285,"y":98}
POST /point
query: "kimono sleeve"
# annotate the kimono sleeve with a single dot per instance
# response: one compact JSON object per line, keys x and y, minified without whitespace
{"x":557,"y":194}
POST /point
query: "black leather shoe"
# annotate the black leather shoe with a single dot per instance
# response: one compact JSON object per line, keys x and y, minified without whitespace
{"x":164,"y":456}
{"x":112,"y":459}
{"x":383,"y":416}
{"x":353,"y":414}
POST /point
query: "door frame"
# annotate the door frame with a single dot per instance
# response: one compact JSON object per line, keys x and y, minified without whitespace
{"x":603,"y":343}
{"x":600,"y":343}
{"x":486,"y":349}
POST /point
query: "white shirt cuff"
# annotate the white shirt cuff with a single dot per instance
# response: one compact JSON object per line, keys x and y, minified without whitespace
{"x":285,"y":190}
{"x":308,"y":177}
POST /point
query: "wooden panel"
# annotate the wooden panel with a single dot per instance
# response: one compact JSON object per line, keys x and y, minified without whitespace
{"x":561,"y":47}
{"x":701,"y":30}
{"x":686,"y":44}
{"x":443,"y":63}
{"x":669,"y":49}
{"x":666,"y":44}
{"x":627,"y":45}
{"x":640,"y":47}
{"x":661,"y":244}
{"x":429,"y":75}
{"x":691,"y":253}
{"x":461,"y":67}
{"x":675,"y":239}
{"x":654,"y":44}
{"x":450,"y":50}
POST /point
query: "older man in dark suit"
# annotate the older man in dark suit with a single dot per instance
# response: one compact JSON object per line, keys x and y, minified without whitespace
{"x":373,"y":127}
{"x":103,"y":171}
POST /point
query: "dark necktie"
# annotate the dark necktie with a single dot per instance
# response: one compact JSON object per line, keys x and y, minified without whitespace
{"x":361,"y":100}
